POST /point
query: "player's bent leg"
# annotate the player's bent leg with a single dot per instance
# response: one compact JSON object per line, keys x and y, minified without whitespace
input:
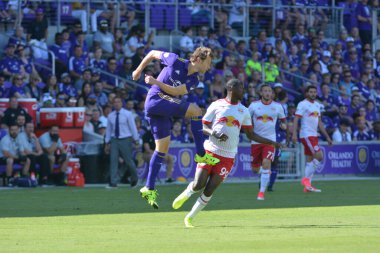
{"x":195,"y":113}
{"x":200,"y":179}
{"x":212,"y":184}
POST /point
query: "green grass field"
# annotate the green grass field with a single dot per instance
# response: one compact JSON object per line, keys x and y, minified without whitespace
{"x":345,"y":217}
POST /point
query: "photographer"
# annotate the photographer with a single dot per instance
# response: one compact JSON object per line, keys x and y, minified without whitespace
{"x":52,"y":146}
{"x":12,"y":152}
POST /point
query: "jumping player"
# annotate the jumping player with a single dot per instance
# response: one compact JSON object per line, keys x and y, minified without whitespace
{"x":175,"y":79}
{"x":265,"y":113}
{"x":309,"y":111}
{"x":222,"y":122}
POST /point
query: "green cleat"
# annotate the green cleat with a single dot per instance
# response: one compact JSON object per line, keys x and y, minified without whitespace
{"x":188,"y":222}
{"x":207,"y":158}
{"x":180,"y":200}
{"x":150,"y":196}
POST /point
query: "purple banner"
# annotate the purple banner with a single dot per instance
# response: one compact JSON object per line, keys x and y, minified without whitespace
{"x":351,"y":159}
{"x":338,"y":159}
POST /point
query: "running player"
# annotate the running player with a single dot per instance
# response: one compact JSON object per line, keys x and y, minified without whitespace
{"x":309,"y":111}
{"x":265,"y":113}
{"x":222,"y":122}
{"x":175,"y":79}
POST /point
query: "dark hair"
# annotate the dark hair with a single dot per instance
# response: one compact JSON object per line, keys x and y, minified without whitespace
{"x":232,"y":83}
{"x":264,"y":85}
{"x":310,"y":87}
{"x":282,"y":95}
{"x":12,"y":124}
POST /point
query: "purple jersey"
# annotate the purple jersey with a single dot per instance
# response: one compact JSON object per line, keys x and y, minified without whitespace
{"x":78,"y":65}
{"x":69,"y":89}
{"x":174,"y":74}
{"x":362,"y":136}
{"x":16,"y":89}
{"x":60,"y":53}
{"x":363,"y":10}
{"x":12,"y":64}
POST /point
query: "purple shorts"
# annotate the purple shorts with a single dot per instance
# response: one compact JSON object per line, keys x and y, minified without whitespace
{"x":159,"y":109}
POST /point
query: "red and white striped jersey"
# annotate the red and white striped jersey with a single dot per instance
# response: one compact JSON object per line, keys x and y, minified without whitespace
{"x":309,"y":112}
{"x":264,"y":117}
{"x":229,"y":119}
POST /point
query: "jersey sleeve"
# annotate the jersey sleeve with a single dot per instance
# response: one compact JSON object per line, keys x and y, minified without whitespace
{"x":281,"y":112}
{"x":247,"y":121}
{"x":300,"y":110}
{"x":168,"y":59}
{"x":209,"y":115}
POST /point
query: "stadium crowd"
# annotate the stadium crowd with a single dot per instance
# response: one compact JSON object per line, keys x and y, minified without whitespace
{"x":291,"y":57}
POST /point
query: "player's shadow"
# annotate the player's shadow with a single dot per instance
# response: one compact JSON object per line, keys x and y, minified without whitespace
{"x":66,"y":201}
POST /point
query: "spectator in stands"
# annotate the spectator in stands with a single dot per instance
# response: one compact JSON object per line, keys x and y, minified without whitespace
{"x":148,"y":148}
{"x":104,"y":39}
{"x":20,"y":122}
{"x":60,"y":100}
{"x":66,"y":44}
{"x":34,"y":152}
{"x":26,"y":61}
{"x":97,"y":61}
{"x":361,"y":134}
{"x":216,"y":89}
{"x":376,"y":130}
{"x":18,"y":38}
{"x":88,"y":126}
{"x":17,"y":88}
{"x":271,"y":69}
{"x":101,"y":97}
{"x":354,"y":105}
{"x":186,"y":42}
{"x":71,"y":102}
{"x":80,"y":40}
{"x":79,"y":12}
{"x":48,"y":101}
{"x":37,"y":35}
{"x":11,"y":113}
{"x":364,"y":18}
{"x":342,"y":134}
{"x":77,"y":63}
{"x":253,"y":64}
{"x":86,"y":92}
{"x":51,"y":86}
{"x":32,"y":89}
{"x":66,"y":86}
{"x":121,"y":132}
{"x":370,"y":111}
{"x":91,"y":103}
{"x":119,"y":43}
{"x":9,"y":64}
{"x":61,"y":54}
{"x":176,"y":135}
{"x":4,"y":91}
{"x":52,"y":146}
{"x":138,"y":57}
{"x":202,"y":39}
{"x":237,"y":15}
{"x":95,"y":120}
{"x":85,"y":78}
{"x":110,"y":81}
{"x":12,"y":152}
{"x":126,"y":70}
{"x":328,"y":100}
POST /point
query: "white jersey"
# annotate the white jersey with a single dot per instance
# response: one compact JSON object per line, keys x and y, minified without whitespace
{"x":309,"y":112}
{"x":264,"y":118}
{"x":229,"y":119}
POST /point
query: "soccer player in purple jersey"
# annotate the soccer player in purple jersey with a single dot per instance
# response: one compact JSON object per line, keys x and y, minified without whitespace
{"x":175,"y":79}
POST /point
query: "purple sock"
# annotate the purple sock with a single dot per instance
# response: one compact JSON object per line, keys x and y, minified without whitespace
{"x":199,"y":137}
{"x":154,"y":168}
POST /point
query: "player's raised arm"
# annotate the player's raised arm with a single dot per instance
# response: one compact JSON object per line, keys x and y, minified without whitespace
{"x":255,"y":137}
{"x":171,"y":90}
{"x":152,"y":55}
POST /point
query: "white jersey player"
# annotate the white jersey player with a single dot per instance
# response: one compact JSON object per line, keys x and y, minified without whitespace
{"x":222,"y":122}
{"x":265,"y":113}
{"x":309,"y":111}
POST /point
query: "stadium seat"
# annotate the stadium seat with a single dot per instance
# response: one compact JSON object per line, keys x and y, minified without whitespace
{"x":184,"y":17}
{"x":157,"y":14}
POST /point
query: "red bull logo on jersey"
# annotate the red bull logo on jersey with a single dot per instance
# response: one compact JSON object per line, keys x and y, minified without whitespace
{"x":265,"y":118}
{"x":230,"y":121}
{"x":314,"y":114}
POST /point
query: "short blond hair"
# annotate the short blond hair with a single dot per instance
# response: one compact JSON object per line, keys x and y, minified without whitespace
{"x":202,"y":53}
